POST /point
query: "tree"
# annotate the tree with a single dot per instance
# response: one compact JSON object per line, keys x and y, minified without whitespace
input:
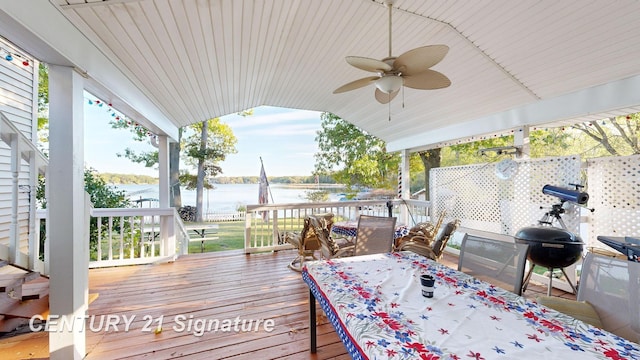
{"x":352,"y":156}
{"x":43,"y":104}
{"x":430,"y":159}
{"x":205,"y":151}
{"x":317,"y":195}
{"x":101,"y":196}
{"x":174,"y":172}
{"x":150,"y":158}
{"x":617,"y":135}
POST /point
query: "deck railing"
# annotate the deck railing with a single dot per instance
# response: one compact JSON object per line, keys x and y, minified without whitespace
{"x":136,"y":236}
{"x":22,"y":162}
{"x":266,"y":225}
{"x":130,"y":236}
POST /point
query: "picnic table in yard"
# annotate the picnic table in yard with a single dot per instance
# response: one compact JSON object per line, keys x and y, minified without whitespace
{"x":202,"y":233}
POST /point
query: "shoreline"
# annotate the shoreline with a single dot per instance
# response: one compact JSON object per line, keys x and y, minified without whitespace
{"x":293,"y":186}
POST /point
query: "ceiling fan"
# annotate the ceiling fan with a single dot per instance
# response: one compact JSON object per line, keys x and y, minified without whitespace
{"x":410,"y":69}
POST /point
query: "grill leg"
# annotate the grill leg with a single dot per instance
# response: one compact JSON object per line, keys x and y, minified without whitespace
{"x":527,"y":278}
{"x":550,"y":281}
{"x":575,"y":291}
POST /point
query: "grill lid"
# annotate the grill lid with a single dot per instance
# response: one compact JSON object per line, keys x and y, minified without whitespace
{"x":550,"y":246}
{"x":547,"y":234}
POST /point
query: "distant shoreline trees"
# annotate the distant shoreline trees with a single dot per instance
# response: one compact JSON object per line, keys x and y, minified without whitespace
{"x":111,"y":178}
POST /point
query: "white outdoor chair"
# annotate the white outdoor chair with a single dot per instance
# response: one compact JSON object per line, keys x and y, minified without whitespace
{"x":608,"y":296}
{"x":374,"y":234}
{"x":494,"y":260}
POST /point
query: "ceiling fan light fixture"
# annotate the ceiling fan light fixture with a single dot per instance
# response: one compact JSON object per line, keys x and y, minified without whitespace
{"x":389,"y":83}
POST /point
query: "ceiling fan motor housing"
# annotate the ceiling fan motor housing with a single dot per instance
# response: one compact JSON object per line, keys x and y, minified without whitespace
{"x":389,"y":83}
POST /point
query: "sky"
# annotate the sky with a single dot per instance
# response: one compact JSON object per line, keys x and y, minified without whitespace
{"x":284,"y":138}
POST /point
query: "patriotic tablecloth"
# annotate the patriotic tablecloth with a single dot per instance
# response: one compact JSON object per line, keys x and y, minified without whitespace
{"x":349,"y":229}
{"x":376,"y":306}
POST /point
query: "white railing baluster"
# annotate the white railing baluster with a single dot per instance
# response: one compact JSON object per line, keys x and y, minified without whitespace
{"x":152,"y":237}
{"x":110,"y":236}
{"x":132,"y":248}
{"x":141,"y":229}
{"x":99,"y":242}
{"x":121,"y":238}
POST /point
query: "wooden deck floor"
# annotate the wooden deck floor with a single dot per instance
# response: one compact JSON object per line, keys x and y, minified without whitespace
{"x":222,"y":285}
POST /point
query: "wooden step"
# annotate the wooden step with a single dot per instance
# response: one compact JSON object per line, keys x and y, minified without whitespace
{"x":35,"y":289}
{"x":11,"y":284}
{"x":26,"y":308}
{"x":8,"y":325}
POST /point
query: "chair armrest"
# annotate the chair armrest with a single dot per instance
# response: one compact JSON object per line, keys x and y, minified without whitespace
{"x":293,"y":238}
{"x":580,"y":310}
{"x":345,"y":251}
{"x":418,"y":248}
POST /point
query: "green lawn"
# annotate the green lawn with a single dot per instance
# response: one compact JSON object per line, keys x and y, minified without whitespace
{"x":230,"y":237}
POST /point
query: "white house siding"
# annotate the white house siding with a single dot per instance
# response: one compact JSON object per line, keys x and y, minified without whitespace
{"x":18,"y":102}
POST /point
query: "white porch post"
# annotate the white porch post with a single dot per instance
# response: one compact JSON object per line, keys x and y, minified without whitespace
{"x":14,"y":232}
{"x":34,"y":248}
{"x":167,"y":231}
{"x":405,"y":184}
{"x":47,"y":229}
{"x":521,"y":139}
{"x":163,"y":170}
{"x":35,"y":165}
{"x":69,"y":265}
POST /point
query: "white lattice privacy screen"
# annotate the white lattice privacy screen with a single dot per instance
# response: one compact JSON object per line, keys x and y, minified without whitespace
{"x":476,"y":196}
{"x":614,"y":192}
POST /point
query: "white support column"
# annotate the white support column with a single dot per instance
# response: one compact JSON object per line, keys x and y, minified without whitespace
{"x":34,"y":168}
{"x":521,"y":140}
{"x":167,"y":230}
{"x":47,"y":234}
{"x":67,"y":213}
{"x":14,"y":228}
{"x":34,"y":249}
{"x":405,"y":184}
{"x":163,"y":170}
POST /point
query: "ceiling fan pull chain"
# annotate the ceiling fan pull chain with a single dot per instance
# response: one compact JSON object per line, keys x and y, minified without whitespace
{"x":389,"y":105}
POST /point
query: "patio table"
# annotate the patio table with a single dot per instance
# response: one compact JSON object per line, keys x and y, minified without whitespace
{"x":376,"y":306}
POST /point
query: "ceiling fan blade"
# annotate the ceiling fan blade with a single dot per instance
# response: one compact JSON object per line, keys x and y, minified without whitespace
{"x":356,"y":84}
{"x":368,"y":64}
{"x":384,"y":98}
{"x":427,"y":80}
{"x":420,"y":59}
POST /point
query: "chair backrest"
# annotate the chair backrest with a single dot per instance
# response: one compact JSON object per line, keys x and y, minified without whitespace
{"x":444,"y":236}
{"x":500,"y":262}
{"x":374,"y":234}
{"x":316,"y":226}
{"x":423,"y":231}
{"x":612,"y":286}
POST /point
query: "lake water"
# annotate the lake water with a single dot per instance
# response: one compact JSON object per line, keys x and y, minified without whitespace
{"x":227,"y":197}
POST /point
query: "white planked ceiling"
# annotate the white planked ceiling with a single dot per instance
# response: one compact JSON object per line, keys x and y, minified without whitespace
{"x":198,"y":59}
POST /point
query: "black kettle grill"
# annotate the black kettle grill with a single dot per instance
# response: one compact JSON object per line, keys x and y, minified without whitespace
{"x":549,"y":246}
{"x":552,"y":248}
